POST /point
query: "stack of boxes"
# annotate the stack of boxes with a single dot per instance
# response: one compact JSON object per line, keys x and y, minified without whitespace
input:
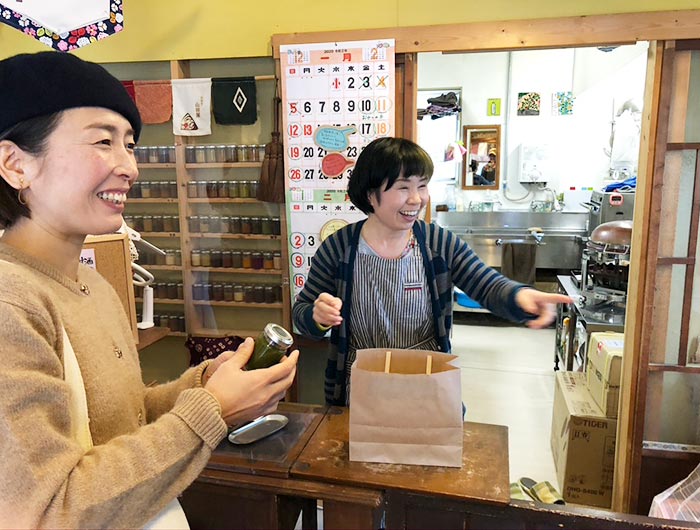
{"x":584,"y":423}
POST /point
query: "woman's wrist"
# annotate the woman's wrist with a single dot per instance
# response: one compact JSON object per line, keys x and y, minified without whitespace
{"x":322,"y":327}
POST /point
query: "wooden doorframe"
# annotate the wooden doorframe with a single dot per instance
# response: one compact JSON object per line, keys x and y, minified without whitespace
{"x":614,"y":29}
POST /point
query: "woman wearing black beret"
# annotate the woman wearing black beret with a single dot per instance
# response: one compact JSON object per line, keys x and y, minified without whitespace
{"x":83,"y":442}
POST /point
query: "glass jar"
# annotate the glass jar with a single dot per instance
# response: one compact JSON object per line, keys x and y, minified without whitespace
{"x":208,"y":291}
{"x":210,"y":154}
{"x":248,"y":296}
{"x":157,"y":223}
{"x":196,"y":258}
{"x":268,"y":260}
{"x":189,"y":154}
{"x":216,"y":258}
{"x":172,"y":189}
{"x":237,"y":293}
{"x":212,"y":189}
{"x":214,"y":224}
{"x":234,"y":189}
{"x":146,"y":190}
{"x":231,"y":153}
{"x":270,"y":297}
{"x":236,"y":259}
{"x":277,"y":259}
{"x":202,"y":189}
{"x":204,"y":223}
{"x":228,"y":292}
{"x":135,"y":191}
{"x":194,"y":223}
{"x":270,"y":346}
{"x":252,"y":152}
{"x":266,"y":226}
{"x":168,"y":224}
{"x":247,"y":260}
{"x":222,"y":188}
{"x":180,"y":290}
{"x":235,"y":225}
{"x":153,"y":154}
{"x":192,"y":190}
{"x":148,"y":223}
{"x":224,"y":224}
{"x":164,"y":321}
{"x":172,"y":290}
{"x":259,"y":294}
{"x":257,"y":260}
{"x":243,"y":189}
{"x":200,"y":154}
{"x":246,"y":225}
{"x":241,"y":153}
{"x":161,"y":290}
{"x":226,"y":259}
{"x":170,"y":258}
{"x":218,"y":289}
{"x":163,"y":154}
{"x":171,"y":154}
{"x":138,"y":223}
{"x":255,"y":225}
{"x":261,"y":152}
{"x":220,"y":154}
{"x":206,"y":258}
{"x":176,"y":223}
{"x":165,"y":191}
{"x":160,"y":259}
{"x":155,"y":190}
{"x":253,"y":185}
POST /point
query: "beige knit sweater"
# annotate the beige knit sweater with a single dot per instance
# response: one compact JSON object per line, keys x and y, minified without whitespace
{"x":150,"y":443}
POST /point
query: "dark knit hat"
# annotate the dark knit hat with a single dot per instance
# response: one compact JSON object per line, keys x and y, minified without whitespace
{"x":37,"y":84}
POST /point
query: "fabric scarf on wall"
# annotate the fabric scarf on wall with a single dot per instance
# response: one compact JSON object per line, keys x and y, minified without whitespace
{"x":154,"y":100}
{"x":129,"y":86}
{"x":191,"y":106}
{"x":234,"y":100}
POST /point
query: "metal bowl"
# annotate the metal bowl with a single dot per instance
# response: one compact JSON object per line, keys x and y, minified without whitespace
{"x":617,"y":233}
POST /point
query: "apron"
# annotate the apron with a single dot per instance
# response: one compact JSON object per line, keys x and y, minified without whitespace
{"x":391,"y":306}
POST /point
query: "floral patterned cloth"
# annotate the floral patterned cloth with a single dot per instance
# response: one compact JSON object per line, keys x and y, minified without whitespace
{"x":71,"y":40}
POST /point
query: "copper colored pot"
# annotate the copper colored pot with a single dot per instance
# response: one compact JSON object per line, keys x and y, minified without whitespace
{"x":617,"y":233}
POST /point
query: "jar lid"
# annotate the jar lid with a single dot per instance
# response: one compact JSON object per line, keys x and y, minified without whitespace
{"x":278,"y":335}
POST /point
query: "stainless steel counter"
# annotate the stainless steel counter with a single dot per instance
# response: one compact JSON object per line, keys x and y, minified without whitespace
{"x":559,"y":246}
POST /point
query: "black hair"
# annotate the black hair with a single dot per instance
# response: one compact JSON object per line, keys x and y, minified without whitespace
{"x":31,"y":136}
{"x":384,"y":160}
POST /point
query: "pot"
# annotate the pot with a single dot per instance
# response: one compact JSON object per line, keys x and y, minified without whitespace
{"x":615,"y":233}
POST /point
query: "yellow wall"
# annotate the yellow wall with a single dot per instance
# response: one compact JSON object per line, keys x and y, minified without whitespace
{"x":177,"y":29}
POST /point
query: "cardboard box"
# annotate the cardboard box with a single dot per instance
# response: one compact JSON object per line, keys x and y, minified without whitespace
{"x":583,"y":443}
{"x":604,"y":369}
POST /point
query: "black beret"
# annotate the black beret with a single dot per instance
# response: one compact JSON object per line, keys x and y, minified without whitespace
{"x":37,"y":84}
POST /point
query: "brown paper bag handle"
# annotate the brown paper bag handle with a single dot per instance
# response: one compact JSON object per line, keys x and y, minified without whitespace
{"x":429,"y":365}
{"x":387,"y":362}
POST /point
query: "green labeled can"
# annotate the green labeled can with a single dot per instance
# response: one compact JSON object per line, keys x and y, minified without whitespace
{"x":270,"y":346}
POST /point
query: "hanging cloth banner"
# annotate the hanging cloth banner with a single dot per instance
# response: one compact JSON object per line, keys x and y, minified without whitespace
{"x":154,"y":100}
{"x":233,"y":100}
{"x":61,"y":16}
{"x":192,"y":107}
{"x":64,"y":25}
{"x":129,"y":86}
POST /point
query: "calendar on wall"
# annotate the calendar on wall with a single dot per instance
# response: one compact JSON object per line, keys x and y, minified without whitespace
{"x":337,"y":97}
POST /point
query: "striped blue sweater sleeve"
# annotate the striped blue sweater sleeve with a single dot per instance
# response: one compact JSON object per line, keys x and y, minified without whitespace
{"x":321,"y":279}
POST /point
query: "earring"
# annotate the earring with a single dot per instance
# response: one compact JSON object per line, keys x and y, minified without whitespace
{"x":19,"y":192}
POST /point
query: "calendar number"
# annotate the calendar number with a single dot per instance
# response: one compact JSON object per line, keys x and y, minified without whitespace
{"x":297,"y":239}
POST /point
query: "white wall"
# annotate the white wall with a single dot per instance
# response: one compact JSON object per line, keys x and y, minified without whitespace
{"x":600,"y":81}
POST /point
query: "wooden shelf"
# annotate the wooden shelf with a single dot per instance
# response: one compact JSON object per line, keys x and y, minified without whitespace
{"x":159,"y":165}
{"x":161,"y":234}
{"x":173,"y":301}
{"x":238,"y":271}
{"x":151,"y":201}
{"x":177,"y":334}
{"x":276,"y":305}
{"x":216,"y":235}
{"x":150,"y":336}
{"x":223,"y":200}
{"x":162,"y":267}
{"x":216,"y":165}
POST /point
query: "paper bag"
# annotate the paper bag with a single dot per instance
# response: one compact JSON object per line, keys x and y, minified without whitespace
{"x":405,"y":416}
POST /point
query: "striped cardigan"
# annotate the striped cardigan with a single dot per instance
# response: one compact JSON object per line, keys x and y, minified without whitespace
{"x":448,"y":261}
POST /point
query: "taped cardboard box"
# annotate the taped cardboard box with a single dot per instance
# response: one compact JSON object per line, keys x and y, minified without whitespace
{"x":583,"y":443}
{"x":406,"y":408}
{"x":604,"y":370}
